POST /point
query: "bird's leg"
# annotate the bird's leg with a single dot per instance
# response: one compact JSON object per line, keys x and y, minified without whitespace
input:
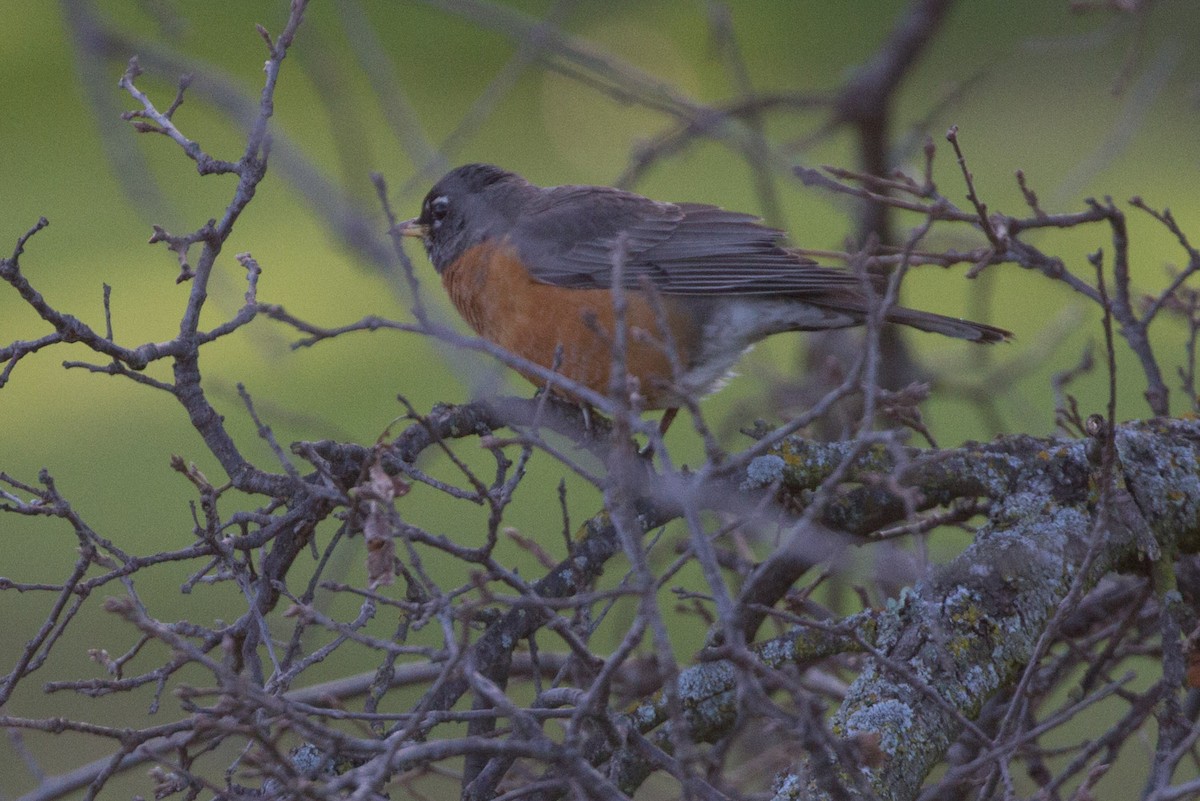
{"x":544,"y":395}
{"x":663,"y":424}
{"x":667,"y":418}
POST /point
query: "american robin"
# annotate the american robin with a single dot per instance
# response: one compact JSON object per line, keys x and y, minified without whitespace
{"x":530,"y":268}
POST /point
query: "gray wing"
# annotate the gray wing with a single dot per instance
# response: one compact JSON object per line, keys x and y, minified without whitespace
{"x":569,"y":236}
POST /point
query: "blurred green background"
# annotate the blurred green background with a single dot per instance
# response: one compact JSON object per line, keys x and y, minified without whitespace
{"x":1086,"y":104}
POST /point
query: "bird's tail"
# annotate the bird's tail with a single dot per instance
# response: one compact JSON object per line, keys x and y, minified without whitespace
{"x":947,"y":326}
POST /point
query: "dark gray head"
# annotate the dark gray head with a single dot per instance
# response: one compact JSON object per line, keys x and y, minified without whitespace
{"x":469,"y":205}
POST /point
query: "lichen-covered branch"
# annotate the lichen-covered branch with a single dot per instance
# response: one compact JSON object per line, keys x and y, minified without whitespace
{"x":943,"y":649}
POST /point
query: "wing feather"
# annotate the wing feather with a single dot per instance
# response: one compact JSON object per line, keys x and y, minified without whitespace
{"x":569,"y":235}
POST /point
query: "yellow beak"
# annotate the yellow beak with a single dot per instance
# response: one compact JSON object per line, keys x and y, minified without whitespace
{"x":412,"y":228}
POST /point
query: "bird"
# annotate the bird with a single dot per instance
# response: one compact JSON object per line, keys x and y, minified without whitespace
{"x":532,"y":269}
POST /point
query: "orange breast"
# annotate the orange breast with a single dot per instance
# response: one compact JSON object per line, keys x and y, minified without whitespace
{"x":501,"y":301}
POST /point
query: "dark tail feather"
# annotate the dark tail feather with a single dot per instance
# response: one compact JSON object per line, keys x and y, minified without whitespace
{"x":948,"y":326}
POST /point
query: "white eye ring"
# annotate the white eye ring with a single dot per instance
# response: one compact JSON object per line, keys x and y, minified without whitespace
{"x":439,"y":207}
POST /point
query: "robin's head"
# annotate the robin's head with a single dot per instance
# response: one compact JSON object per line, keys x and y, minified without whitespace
{"x":467,"y":206}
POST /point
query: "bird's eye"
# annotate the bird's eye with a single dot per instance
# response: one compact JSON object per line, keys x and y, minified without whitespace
{"x":439,"y":207}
